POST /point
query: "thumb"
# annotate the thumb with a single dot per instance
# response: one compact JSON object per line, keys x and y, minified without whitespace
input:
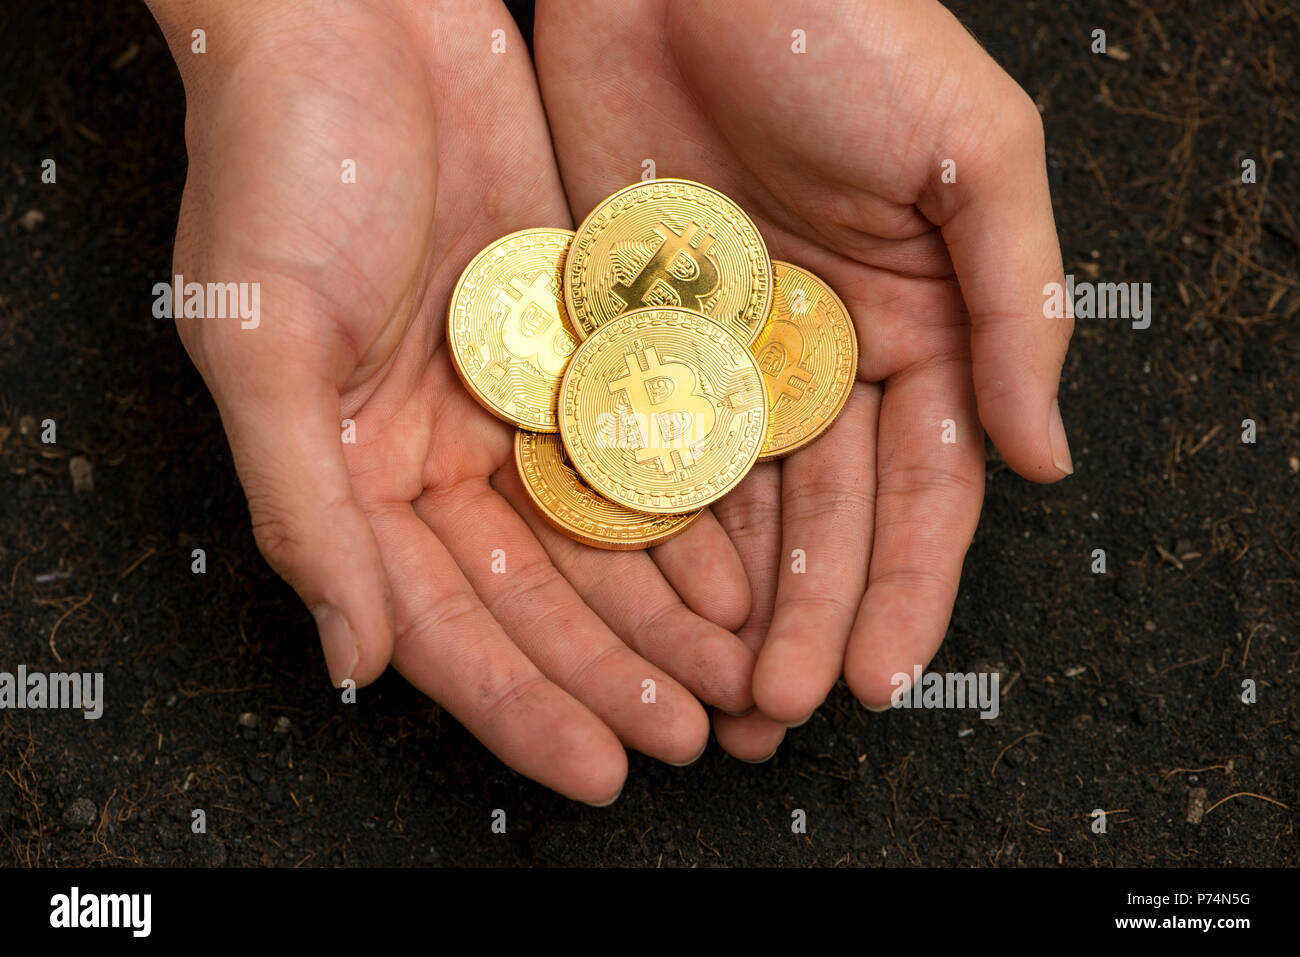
{"x":997,"y":223}
{"x":308,"y":525}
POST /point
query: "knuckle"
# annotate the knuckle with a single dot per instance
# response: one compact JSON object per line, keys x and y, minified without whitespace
{"x":827,"y":500}
{"x":830,"y":607}
{"x":589,"y":667}
{"x":657,"y":621}
{"x":525,"y":584}
{"x":501,"y":697}
{"x":276,"y":534}
{"x":1026,"y":122}
{"x":905,"y":482}
{"x":749,"y":516}
{"x":916,"y":578}
{"x":442,"y":616}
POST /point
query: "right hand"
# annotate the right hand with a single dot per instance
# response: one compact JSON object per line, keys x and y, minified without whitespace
{"x":389,"y":540}
{"x":839,"y":154}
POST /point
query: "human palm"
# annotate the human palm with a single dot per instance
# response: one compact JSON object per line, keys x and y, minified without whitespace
{"x":840,"y":154}
{"x":353,"y":165}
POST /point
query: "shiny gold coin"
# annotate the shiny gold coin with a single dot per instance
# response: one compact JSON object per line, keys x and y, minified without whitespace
{"x":662,"y":410}
{"x":507,"y":330}
{"x":669,"y":243}
{"x":573,"y":508}
{"x":808,"y":354}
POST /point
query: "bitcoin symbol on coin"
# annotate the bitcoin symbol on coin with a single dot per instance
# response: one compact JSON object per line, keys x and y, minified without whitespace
{"x":678,"y":274}
{"x":779,"y":361}
{"x":532,"y":329}
{"x":673,"y":415}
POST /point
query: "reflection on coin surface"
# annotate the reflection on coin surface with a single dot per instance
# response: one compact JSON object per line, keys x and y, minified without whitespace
{"x":808,"y":354}
{"x":668,"y":243}
{"x":507,"y":331}
{"x":662,"y":410}
{"x":569,"y":505}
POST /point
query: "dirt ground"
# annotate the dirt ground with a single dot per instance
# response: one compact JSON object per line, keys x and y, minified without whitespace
{"x":1121,"y":691}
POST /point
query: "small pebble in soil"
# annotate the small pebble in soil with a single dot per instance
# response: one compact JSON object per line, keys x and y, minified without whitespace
{"x":83,"y":476}
{"x":80,"y":813}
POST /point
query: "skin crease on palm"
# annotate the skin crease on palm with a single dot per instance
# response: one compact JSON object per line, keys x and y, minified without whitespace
{"x":389,"y":541}
{"x":837,"y":154}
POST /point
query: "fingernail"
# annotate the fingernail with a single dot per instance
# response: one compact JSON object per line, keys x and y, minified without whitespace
{"x":737,"y":714}
{"x":618,"y":795}
{"x":341,"y":653}
{"x":883,"y":708}
{"x":1060,"y":446}
{"x":687,"y":764}
{"x":765,"y":759}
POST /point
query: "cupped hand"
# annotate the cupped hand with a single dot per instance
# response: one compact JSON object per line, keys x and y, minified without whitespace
{"x":351,"y":158}
{"x":896,"y":160}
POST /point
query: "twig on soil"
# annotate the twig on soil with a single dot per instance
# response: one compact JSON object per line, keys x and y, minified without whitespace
{"x":706,"y":844}
{"x":1213,"y":767}
{"x":55,"y":629}
{"x":1169,"y":556}
{"x":1181,"y":664}
{"x":1205,"y":438}
{"x":1246,"y":653}
{"x":136,"y":564}
{"x":1249,"y":794}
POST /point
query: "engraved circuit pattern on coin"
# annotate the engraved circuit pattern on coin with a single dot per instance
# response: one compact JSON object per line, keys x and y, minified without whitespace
{"x":507,"y":330}
{"x":669,"y":243}
{"x":570,"y":506}
{"x":662,"y":410}
{"x":808,"y":354}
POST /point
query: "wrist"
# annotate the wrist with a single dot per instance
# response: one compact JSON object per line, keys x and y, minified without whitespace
{"x":207,"y":37}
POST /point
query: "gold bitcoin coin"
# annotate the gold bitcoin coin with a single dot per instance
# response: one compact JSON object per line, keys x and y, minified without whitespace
{"x":668,"y":243}
{"x":662,"y":410}
{"x":572,"y":507}
{"x":808,"y":354}
{"x":507,"y":330}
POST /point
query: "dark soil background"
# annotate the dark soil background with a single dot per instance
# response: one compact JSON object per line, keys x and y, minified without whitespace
{"x":1121,"y":691}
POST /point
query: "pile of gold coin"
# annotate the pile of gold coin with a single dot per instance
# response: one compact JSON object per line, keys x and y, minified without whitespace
{"x":649,"y":359}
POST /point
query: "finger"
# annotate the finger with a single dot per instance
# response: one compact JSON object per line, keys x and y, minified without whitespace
{"x":997,"y":222}
{"x":286,"y":444}
{"x":827,"y":512}
{"x":703,"y":567}
{"x":751,"y":517}
{"x":561,"y":635}
{"x":927,"y":505}
{"x":752,"y":737}
{"x":452,"y":649}
{"x":627,"y":590}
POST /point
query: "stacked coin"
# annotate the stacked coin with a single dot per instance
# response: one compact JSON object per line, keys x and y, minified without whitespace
{"x":664,"y":347}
